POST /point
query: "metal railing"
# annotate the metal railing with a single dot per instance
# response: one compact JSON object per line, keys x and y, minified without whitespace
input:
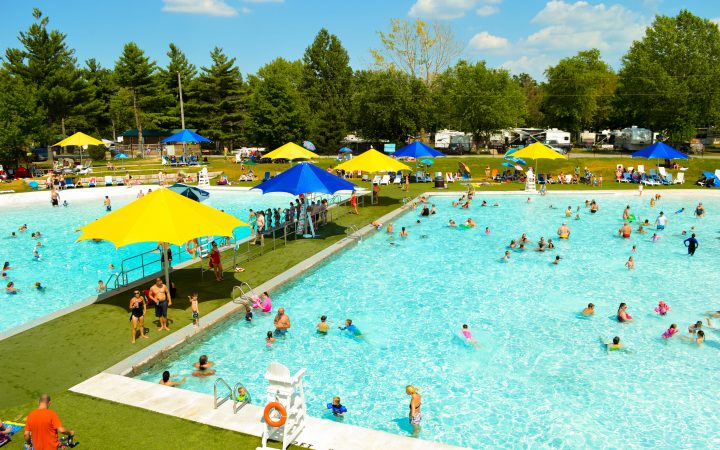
{"x":219,"y":401}
{"x":237,"y":405}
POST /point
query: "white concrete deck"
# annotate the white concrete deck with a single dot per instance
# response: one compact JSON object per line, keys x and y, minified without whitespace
{"x":318,"y":434}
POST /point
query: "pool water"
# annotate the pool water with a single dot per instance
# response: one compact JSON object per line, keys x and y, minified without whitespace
{"x":69,"y":270}
{"x":541,"y":376}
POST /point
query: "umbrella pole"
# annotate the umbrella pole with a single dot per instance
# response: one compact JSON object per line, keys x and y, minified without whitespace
{"x":166,"y":264}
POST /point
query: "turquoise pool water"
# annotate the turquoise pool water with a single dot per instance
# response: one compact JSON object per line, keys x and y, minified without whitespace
{"x":70,"y":271}
{"x":541,"y":377}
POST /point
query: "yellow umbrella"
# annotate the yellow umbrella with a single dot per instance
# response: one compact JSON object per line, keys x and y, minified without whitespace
{"x":78,"y":139}
{"x":537,"y":151}
{"x":161,"y":216}
{"x":291,"y":151}
{"x":372,"y":161}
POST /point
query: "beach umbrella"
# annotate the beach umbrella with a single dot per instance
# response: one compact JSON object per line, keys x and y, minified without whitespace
{"x":305,"y":178}
{"x":309,"y":145}
{"x":659,"y":150}
{"x":291,"y":151}
{"x":511,"y":151}
{"x":190,"y":192}
{"x":372,"y":161}
{"x":507,"y":164}
{"x":417,"y":150}
{"x":79,"y":139}
{"x":427,"y":162}
{"x":537,"y":151}
{"x":121,"y":156}
{"x":186,"y":136}
{"x":160,"y":216}
{"x":516,"y":160}
{"x":345,"y":150}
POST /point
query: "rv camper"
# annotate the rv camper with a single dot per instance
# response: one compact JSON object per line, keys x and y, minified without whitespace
{"x":634,"y":138}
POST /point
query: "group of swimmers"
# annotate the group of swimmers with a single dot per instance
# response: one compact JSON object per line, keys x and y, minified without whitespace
{"x":10,"y":286}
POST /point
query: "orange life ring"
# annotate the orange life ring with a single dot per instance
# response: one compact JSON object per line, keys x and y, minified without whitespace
{"x":192,"y":249}
{"x":281,"y":409}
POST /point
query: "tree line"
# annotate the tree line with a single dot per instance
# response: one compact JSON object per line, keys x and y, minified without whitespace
{"x":668,"y":82}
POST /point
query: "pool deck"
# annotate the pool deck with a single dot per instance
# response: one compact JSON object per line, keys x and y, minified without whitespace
{"x":318,"y":434}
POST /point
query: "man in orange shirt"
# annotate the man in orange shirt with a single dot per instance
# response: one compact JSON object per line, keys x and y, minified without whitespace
{"x":43,"y":426}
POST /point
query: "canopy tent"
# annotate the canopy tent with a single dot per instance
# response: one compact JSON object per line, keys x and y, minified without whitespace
{"x":161,"y":216}
{"x":659,"y":150}
{"x":79,"y":139}
{"x":304,"y":178}
{"x":372,"y":161}
{"x":291,"y":151}
{"x":190,"y":192}
{"x":186,"y":136}
{"x":417,"y":150}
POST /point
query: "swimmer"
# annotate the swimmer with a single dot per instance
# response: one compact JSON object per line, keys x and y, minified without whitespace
{"x":269,"y":339}
{"x":36,"y":255}
{"x":39,"y":286}
{"x":323,"y":326}
{"x":487,"y":231}
{"x":568,"y":211}
{"x":468,"y":335}
{"x":563,"y":231}
{"x":466,"y":205}
{"x":484,"y":203}
{"x":248,"y":314}
{"x":655,"y":238}
{"x":630,"y":264}
{"x":376,"y":224}
{"x":680,"y":211}
{"x":470,"y":223}
{"x":452,"y":224}
{"x":625,"y":231}
{"x":634,"y":249}
{"x":12,"y":235}
{"x":242,"y":395}
{"x":577,"y":216}
{"x":23,"y":227}
{"x":541,"y":245}
{"x":100,"y":286}
{"x":403,"y":232}
{"x":39,"y":244}
{"x":111,"y":266}
{"x":512,"y":244}
{"x":692,"y":244}
{"x":640,"y":229}
{"x":594,"y":207}
{"x":337,"y":408}
{"x":167,"y":382}
{"x":615,"y":345}
{"x":3,"y":275}
{"x":350,"y":328}
{"x":550,"y":206}
{"x":626,"y":213}
{"x":622,"y":315}
{"x":662,"y":308}
{"x":202,"y":367}
{"x":6,"y":266}
{"x":389,"y":228}
{"x":661,"y":221}
{"x":521,"y":246}
{"x":550,"y":244}
{"x":417,"y":221}
{"x":65,"y":203}
{"x":10,"y":288}
{"x":433,"y":210}
{"x":557,"y":260}
{"x":670,"y":332}
{"x":694,"y":328}
{"x":698,"y":339}
{"x":529,"y":200}
{"x":524,"y":239}
{"x":652,"y":202}
{"x":496,"y":205}
{"x":589,"y":310}
{"x":700,"y":211}
{"x":506,"y":257}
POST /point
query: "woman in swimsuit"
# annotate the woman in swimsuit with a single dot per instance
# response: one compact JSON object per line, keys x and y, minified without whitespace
{"x":622,"y":315}
{"x":415,"y":402}
{"x":202,"y":367}
{"x":138,"y":307}
{"x":215,"y":261}
{"x":167,"y":382}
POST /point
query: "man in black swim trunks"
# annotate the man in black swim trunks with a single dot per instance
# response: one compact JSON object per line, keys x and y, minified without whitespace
{"x":160,"y":294}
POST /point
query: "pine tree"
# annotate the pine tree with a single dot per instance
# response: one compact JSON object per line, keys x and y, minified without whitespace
{"x":327,"y":81}
{"x":167,"y":97}
{"x":134,"y":72}
{"x":21,"y":116}
{"x":94,"y":111}
{"x":218,"y":106}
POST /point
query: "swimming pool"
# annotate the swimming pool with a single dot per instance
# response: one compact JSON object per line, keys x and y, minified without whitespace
{"x":70,"y":271}
{"x":540,"y":377}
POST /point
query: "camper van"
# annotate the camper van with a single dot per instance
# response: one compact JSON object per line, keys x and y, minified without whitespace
{"x":558,"y":140}
{"x":634,"y":138}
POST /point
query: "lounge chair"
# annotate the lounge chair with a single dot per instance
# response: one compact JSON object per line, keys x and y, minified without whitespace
{"x":173,"y":161}
{"x":365,"y":177}
{"x":641,"y":168}
{"x":92,"y":182}
{"x":541,"y":179}
{"x":449,"y":177}
{"x":625,"y":178}
{"x":266,"y":177}
{"x":398,"y":178}
{"x":385,"y":179}
{"x":680,"y":178}
{"x":108,"y":180}
{"x":668,"y":179}
{"x":376,"y":179}
{"x":164,"y":161}
{"x":661,"y":171}
{"x":568,"y":179}
{"x":194,"y":161}
{"x":69,"y":183}
{"x":119,"y":181}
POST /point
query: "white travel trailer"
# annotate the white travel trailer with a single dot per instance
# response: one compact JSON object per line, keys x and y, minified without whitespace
{"x":443,"y":138}
{"x":634,"y":138}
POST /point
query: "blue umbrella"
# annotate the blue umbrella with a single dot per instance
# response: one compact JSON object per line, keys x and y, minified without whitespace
{"x":121,"y":156}
{"x":345,"y":150}
{"x":190,"y":192}
{"x":309,"y":145}
{"x":417,"y":150}
{"x":186,"y":136}
{"x":511,"y":151}
{"x":427,"y":162}
{"x":304,"y":178}
{"x":659,"y":150}
{"x":507,"y":164}
{"x":516,"y":160}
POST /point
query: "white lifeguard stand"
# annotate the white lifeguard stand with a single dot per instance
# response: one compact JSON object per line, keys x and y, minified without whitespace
{"x":530,"y":182}
{"x":203,"y":178}
{"x":288,"y":391}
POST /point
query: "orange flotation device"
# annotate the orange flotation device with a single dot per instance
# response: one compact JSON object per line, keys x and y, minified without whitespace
{"x":269,"y":420}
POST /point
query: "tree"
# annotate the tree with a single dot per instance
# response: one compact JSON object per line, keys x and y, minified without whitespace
{"x":167,"y":96}
{"x":326,"y":82}
{"x":134,"y":72}
{"x":481,"y":100}
{"x":100,"y":86}
{"x":534,"y":94}
{"x":579,"y":92}
{"x":46,"y":64}
{"x":278,"y":112}
{"x":418,"y":49}
{"x":389,"y":105}
{"x":219,"y":100}
{"x":668,"y":80}
{"x":21,"y":116}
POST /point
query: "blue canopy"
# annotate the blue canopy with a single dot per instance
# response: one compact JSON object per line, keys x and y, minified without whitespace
{"x":345,"y":150}
{"x":417,"y":150}
{"x":121,"y":156}
{"x":659,"y":150}
{"x":304,"y":178}
{"x":186,"y":136}
{"x":190,"y":192}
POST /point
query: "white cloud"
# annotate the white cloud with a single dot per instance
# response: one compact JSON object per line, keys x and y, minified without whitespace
{"x":207,"y":7}
{"x":486,"y":41}
{"x":263,"y":1}
{"x":245,"y":10}
{"x":487,"y":10}
{"x":450,"y":9}
{"x":716,"y":20}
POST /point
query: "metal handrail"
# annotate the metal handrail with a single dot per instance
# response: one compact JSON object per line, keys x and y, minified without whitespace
{"x":237,"y":405}
{"x":217,"y":403}
{"x":243,"y":294}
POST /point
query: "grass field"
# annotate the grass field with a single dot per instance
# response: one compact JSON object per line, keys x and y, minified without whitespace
{"x":61,"y":353}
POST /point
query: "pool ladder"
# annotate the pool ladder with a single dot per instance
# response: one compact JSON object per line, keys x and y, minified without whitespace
{"x":352,"y":231}
{"x":245,"y":292}
{"x":232,"y":394}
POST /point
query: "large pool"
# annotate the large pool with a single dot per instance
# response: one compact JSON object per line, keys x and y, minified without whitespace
{"x":541,"y":377}
{"x":69,"y":270}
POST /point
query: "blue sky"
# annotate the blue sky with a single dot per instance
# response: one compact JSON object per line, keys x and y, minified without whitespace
{"x":521,"y":35}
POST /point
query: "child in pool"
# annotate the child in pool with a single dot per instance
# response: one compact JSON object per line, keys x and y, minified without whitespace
{"x":269,"y":339}
{"x":615,"y":345}
{"x":468,"y":335}
{"x":337,"y":408}
{"x":351,"y":328}
{"x":662,"y":308}
{"x":323,"y":326}
{"x":670,"y":332}
{"x":589,"y":310}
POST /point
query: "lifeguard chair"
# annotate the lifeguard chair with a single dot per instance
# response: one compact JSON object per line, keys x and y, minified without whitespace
{"x":530,"y":182}
{"x":285,"y":410}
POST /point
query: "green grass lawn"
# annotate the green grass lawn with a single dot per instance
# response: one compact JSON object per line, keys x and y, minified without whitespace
{"x":61,"y":353}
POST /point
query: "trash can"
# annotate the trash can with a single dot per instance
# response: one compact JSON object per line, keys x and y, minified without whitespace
{"x":439,"y":181}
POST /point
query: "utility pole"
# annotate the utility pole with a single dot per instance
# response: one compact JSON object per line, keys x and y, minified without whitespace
{"x":182,"y":113}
